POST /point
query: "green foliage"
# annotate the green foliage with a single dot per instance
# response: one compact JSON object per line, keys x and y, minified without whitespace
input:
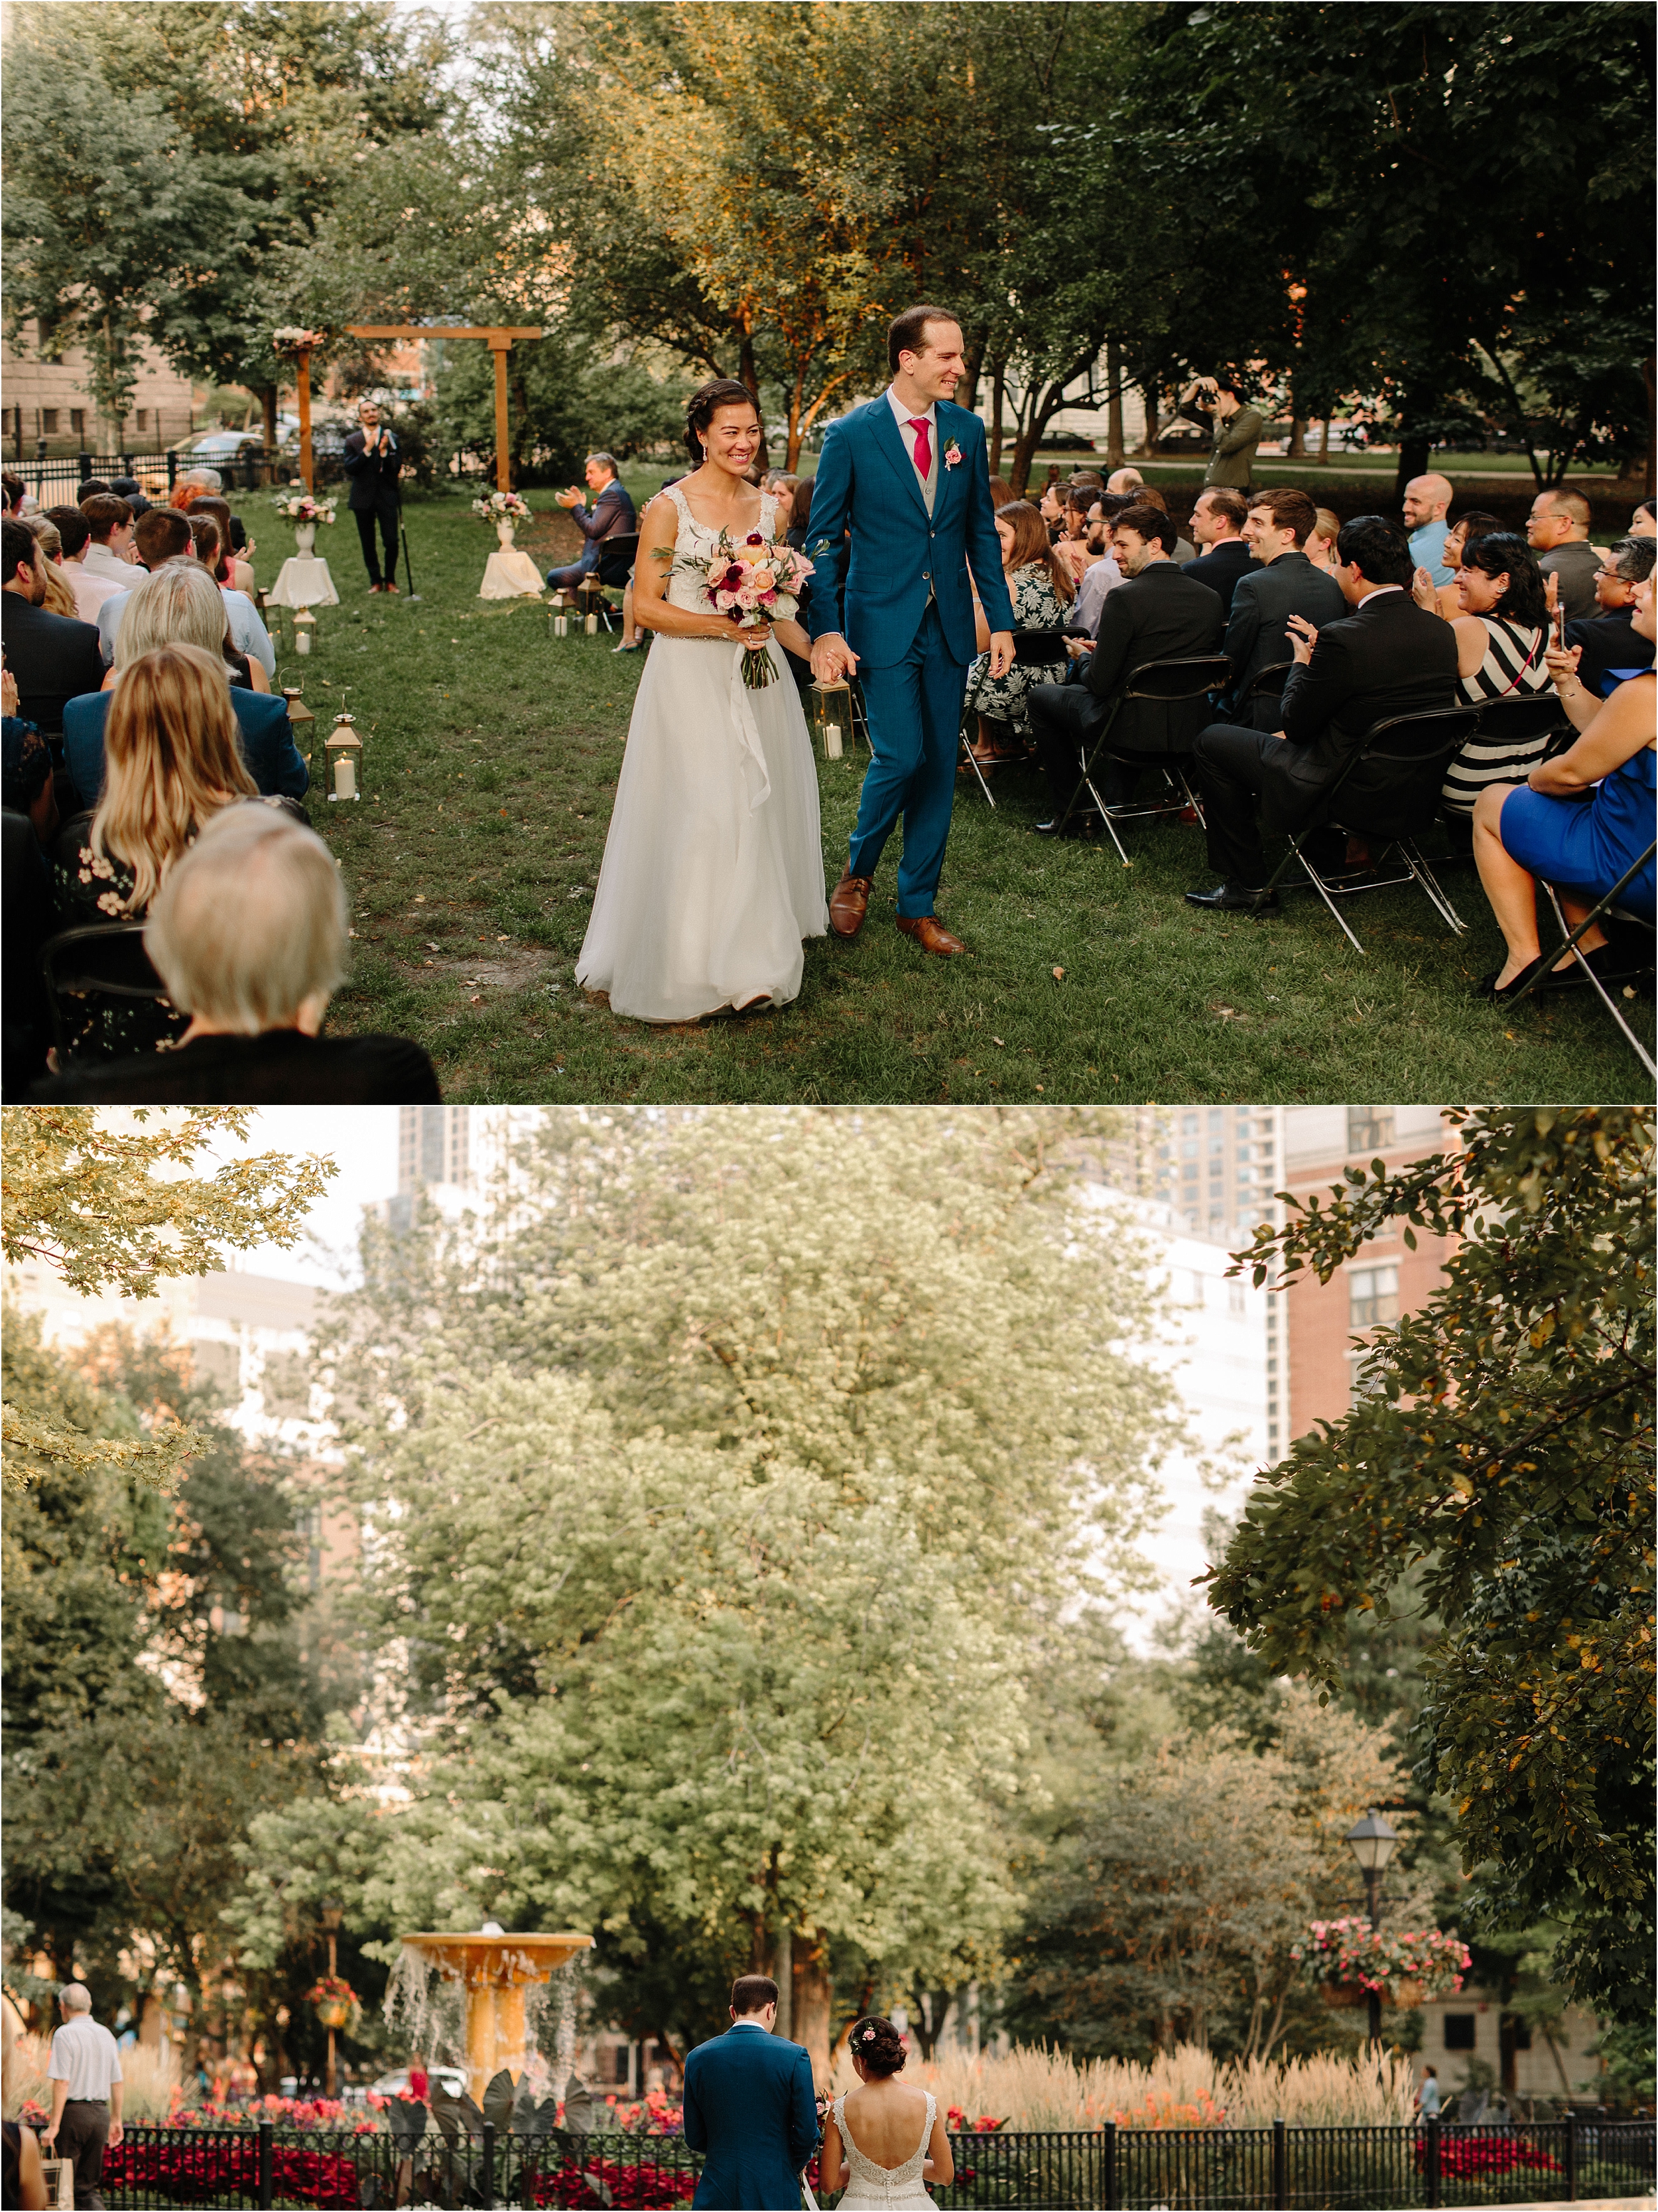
{"x":1505,"y":1454}
{"x":564,"y":404}
{"x":157,"y":1691}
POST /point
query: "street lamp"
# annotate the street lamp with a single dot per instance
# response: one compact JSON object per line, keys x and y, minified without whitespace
{"x":1372,"y":1842}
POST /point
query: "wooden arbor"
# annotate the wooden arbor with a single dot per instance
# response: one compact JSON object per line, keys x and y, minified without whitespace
{"x":499,"y":339}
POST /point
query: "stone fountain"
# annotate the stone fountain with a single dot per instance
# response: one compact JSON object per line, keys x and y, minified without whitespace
{"x":495,"y":1970}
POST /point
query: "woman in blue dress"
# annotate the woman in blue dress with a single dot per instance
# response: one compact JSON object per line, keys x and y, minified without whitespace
{"x":1578,"y":822}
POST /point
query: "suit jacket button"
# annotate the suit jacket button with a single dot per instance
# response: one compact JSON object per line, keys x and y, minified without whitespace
{"x":926,"y":579}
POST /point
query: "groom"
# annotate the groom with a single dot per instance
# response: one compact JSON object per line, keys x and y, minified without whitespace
{"x":908,"y":475}
{"x":748,"y":2104}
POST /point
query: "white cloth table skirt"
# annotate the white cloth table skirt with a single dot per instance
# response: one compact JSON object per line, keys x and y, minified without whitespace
{"x":304,"y":582}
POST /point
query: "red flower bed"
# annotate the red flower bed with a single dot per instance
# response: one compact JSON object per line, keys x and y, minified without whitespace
{"x":1478,"y":2156}
{"x":192,"y":2172}
{"x":629,"y":2185}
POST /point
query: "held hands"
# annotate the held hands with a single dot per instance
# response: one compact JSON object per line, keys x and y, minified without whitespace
{"x":1302,"y":638}
{"x":832,"y":659}
{"x":1001,"y":652}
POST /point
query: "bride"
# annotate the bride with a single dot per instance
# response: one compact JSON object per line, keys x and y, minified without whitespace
{"x":899,"y":2143}
{"x":713,"y":865}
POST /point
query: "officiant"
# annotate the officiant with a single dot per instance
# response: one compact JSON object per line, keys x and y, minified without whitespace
{"x":373,"y":462}
{"x":612,"y":515}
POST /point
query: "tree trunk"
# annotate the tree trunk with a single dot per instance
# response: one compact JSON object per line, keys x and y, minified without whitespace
{"x":810,"y":2012}
{"x":1323,"y":456}
{"x":973,"y":353}
{"x":1297,"y":447}
{"x":1113,"y":453}
{"x":748,"y":375}
{"x":1415,"y":452}
{"x":268,"y":402}
{"x":783,"y":1974}
{"x":997,"y":382}
{"x":1148,"y":444}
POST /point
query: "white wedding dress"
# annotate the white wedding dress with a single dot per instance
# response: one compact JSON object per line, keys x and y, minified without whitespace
{"x":713,"y":865}
{"x":878,"y":2188}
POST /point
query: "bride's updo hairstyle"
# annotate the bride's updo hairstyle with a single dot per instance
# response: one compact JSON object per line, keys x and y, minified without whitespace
{"x":877,"y":2043}
{"x":705,"y":404}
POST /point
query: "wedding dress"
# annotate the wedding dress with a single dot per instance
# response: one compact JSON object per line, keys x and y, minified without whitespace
{"x":881,"y":2189}
{"x":714,"y":864}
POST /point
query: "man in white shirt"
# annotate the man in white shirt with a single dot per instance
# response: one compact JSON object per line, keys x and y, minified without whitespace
{"x":110,"y":553}
{"x":90,"y":589}
{"x":85,"y":2073}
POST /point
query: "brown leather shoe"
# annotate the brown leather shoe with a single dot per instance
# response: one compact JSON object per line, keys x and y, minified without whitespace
{"x":930,"y":933}
{"x":849,"y":903}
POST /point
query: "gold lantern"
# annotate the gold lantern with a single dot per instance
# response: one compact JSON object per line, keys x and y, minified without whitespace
{"x":304,"y":628}
{"x":343,"y":747}
{"x":831,"y":717}
{"x":302,"y":720}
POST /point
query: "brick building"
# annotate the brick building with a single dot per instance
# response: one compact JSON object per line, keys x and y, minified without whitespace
{"x":53,"y":400}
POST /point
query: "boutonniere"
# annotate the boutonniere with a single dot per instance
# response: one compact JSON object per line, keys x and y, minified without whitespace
{"x":952,"y":454}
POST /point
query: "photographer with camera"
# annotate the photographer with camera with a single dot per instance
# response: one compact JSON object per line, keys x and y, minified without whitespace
{"x":1236,"y":429}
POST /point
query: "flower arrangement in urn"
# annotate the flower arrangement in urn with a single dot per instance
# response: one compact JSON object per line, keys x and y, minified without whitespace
{"x":303,"y":508}
{"x":501,"y":506}
{"x":333,"y":1999}
{"x":1349,"y":1959}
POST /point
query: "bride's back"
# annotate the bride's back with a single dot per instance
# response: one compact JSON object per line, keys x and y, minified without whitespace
{"x":885,"y":2119}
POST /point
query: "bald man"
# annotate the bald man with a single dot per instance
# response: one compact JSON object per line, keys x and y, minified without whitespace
{"x":1427,"y":500}
{"x":1124,"y":480}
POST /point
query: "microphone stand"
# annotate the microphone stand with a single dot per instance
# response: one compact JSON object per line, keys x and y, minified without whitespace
{"x":411,"y":593}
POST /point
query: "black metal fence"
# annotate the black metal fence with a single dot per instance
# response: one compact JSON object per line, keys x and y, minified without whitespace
{"x":1271,"y":2169}
{"x":58,"y":482}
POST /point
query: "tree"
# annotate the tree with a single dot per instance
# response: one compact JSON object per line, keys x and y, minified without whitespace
{"x":120,"y":1207}
{"x":157,"y":1693}
{"x":706,"y":1409}
{"x":1503,"y":1452}
{"x":1168,"y":1901}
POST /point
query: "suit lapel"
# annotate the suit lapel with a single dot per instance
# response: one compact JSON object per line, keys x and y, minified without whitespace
{"x":887,"y":437}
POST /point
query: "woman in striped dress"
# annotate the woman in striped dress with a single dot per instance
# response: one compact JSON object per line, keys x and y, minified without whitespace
{"x":1502,"y":635}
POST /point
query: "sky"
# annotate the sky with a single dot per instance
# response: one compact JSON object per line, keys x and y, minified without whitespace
{"x":363,"y":1140}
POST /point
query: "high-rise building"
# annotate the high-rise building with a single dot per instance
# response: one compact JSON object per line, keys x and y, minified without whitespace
{"x":1213,"y":1168}
{"x":434,"y":1146}
{"x":1313,"y":1363}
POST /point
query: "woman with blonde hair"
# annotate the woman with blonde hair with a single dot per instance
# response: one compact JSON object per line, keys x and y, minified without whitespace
{"x":171,"y":762}
{"x":60,"y":598}
{"x":1320,"y":548}
{"x":1041,"y":586}
{"x":171,"y":607}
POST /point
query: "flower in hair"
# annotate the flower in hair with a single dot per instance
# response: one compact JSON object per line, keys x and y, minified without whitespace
{"x":869,"y":2035}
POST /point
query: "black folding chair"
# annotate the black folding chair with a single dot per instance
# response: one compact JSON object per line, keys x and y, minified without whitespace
{"x":1267,"y":683}
{"x":616,"y":556}
{"x":1187,"y":683}
{"x":1415,"y":751}
{"x":1039,"y":648}
{"x":1606,"y":909}
{"x":101,"y":960}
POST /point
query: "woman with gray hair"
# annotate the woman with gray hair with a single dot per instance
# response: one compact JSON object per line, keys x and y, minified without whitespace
{"x":170,"y":606}
{"x":248,"y":933}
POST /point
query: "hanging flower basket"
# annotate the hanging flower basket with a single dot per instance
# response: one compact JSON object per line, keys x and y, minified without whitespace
{"x":1350,"y":1961}
{"x":333,"y":2000}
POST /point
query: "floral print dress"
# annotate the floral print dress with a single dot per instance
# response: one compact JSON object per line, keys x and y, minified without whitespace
{"x":1002,"y":698}
{"x":88,"y":888}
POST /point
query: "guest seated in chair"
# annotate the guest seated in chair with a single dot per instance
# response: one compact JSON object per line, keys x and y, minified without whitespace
{"x":611,"y":516}
{"x":53,"y":656}
{"x":1501,"y":634}
{"x":1389,"y":657}
{"x":1578,"y":822}
{"x":1226,"y":554}
{"x":181,"y":604}
{"x":1282,"y":582}
{"x":1609,"y":641}
{"x":171,"y":761}
{"x":1040,"y":586}
{"x":1155,"y":614}
{"x":248,"y":934}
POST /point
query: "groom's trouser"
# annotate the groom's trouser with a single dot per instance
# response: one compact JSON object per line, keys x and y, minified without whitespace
{"x":915,"y":727}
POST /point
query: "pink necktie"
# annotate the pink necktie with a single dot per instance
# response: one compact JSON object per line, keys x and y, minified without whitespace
{"x":923,"y":430}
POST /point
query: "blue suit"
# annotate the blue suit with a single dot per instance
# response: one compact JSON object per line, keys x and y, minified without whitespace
{"x":909,"y":617}
{"x":271,"y":757}
{"x":750,"y":2105}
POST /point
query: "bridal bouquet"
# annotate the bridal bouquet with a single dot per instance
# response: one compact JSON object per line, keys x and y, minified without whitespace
{"x":305,"y":509}
{"x":758,"y":582}
{"x":502,"y":507}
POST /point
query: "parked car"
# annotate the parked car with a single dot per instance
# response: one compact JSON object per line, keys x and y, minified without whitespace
{"x":1182,"y":435}
{"x":397,"y":2085}
{"x":225,"y":444}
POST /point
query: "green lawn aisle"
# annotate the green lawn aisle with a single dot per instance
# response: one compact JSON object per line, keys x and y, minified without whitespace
{"x":491,"y":755}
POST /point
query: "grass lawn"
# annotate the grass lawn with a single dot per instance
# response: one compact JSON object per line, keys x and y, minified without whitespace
{"x":491,"y":755}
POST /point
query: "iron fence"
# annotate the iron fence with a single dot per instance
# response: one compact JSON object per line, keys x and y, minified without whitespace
{"x":1109,"y":2169}
{"x":58,"y":482}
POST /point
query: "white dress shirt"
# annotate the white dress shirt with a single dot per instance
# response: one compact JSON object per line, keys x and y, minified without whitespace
{"x":98,"y":560}
{"x":1102,"y":577}
{"x":928,"y":415}
{"x":91,"y":590}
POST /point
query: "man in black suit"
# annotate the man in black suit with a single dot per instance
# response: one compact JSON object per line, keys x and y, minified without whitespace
{"x":51,"y":657}
{"x":1217,"y":521}
{"x":611,"y":516}
{"x":1608,"y":641}
{"x":1155,"y":614}
{"x":373,"y":462}
{"x":1281,"y":582}
{"x":1388,"y":657}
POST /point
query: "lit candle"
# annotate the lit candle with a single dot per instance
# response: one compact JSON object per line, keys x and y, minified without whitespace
{"x":832,"y":740}
{"x":592,"y":625}
{"x":301,"y":639}
{"x":345,"y":776}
